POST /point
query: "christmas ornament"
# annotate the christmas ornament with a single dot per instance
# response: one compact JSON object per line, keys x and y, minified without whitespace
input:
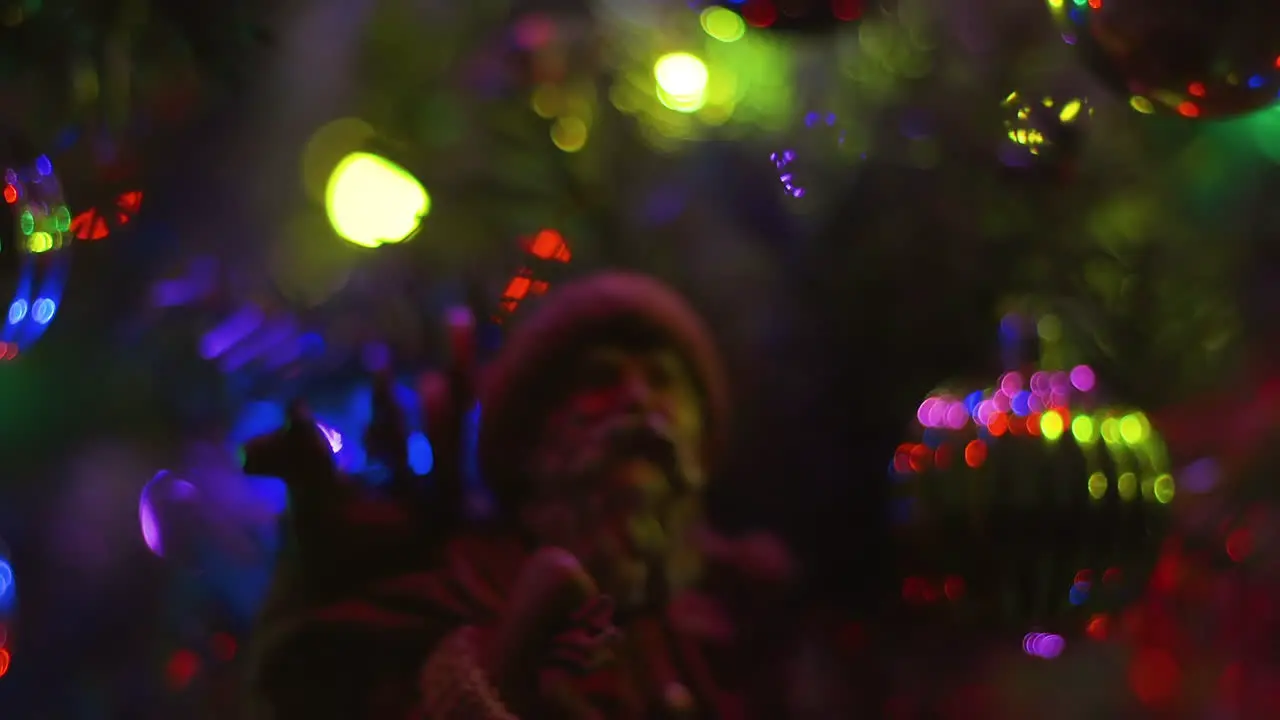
{"x":39,"y":250}
{"x":1029,"y":507}
{"x":1197,"y":58}
{"x":806,"y":16}
{"x":1043,"y":132}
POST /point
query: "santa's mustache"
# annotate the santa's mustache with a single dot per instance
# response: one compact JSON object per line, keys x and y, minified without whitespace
{"x":629,"y":436}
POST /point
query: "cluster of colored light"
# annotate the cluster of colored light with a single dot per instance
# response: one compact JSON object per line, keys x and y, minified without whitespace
{"x":1082,"y":584}
{"x":556,"y":97}
{"x":1041,"y":404}
{"x":1226,"y":88}
{"x":569,"y":112}
{"x":1032,"y":124}
{"x":42,"y":217}
{"x":921,"y":457}
{"x":1045,"y":646}
{"x":783,"y":160}
{"x":1036,"y":408}
{"x":547,"y":246}
{"x":41,"y":311}
{"x":919,"y":590}
{"x":35,"y":197}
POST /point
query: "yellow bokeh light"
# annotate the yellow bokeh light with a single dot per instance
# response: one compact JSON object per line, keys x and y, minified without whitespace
{"x":1070,"y":112}
{"x":1142,"y":105}
{"x":1128,"y":486}
{"x":681,"y":81}
{"x":1098,"y":485}
{"x":372,"y":201}
{"x":723,"y":24}
{"x":1051,"y":425}
{"x":569,"y":134}
{"x":1110,"y":431}
{"x":1134,"y":428}
{"x":1082,"y":430}
{"x":40,"y":242}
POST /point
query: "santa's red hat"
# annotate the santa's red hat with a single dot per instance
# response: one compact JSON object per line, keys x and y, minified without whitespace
{"x":536,"y":364}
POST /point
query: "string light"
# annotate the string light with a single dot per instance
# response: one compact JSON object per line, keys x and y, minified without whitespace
{"x":43,"y":224}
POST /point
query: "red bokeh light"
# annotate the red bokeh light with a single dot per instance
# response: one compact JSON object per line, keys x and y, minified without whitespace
{"x":1240,"y":544}
{"x":181,"y":669}
{"x":975,"y":453}
{"x":760,"y":13}
{"x":223,"y":646}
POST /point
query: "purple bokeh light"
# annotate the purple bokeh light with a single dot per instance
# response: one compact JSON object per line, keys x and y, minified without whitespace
{"x":164,"y":489}
{"x":1046,"y":646}
{"x":1082,"y":378}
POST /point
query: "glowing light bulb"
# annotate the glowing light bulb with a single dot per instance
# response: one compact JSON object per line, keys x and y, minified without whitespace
{"x":682,"y":81}
{"x":371,"y":201}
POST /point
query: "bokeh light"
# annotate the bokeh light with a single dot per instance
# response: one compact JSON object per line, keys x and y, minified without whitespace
{"x":43,"y":237}
{"x":342,"y":419}
{"x":1045,"y":646}
{"x":372,"y":201}
{"x":1031,"y":454}
{"x":8,"y":606}
{"x":1037,"y":127}
{"x":160,"y":511}
{"x":6,"y":585}
{"x":723,"y":24}
{"x":682,"y":80}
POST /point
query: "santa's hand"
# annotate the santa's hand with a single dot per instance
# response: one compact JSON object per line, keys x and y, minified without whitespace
{"x":557,"y":624}
{"x":548,"y":595}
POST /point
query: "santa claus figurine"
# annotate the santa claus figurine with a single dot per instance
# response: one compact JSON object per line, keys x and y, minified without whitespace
{"x":586,"y":595}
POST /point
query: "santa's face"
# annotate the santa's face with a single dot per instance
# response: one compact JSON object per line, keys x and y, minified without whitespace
{"x":618,"y":470}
